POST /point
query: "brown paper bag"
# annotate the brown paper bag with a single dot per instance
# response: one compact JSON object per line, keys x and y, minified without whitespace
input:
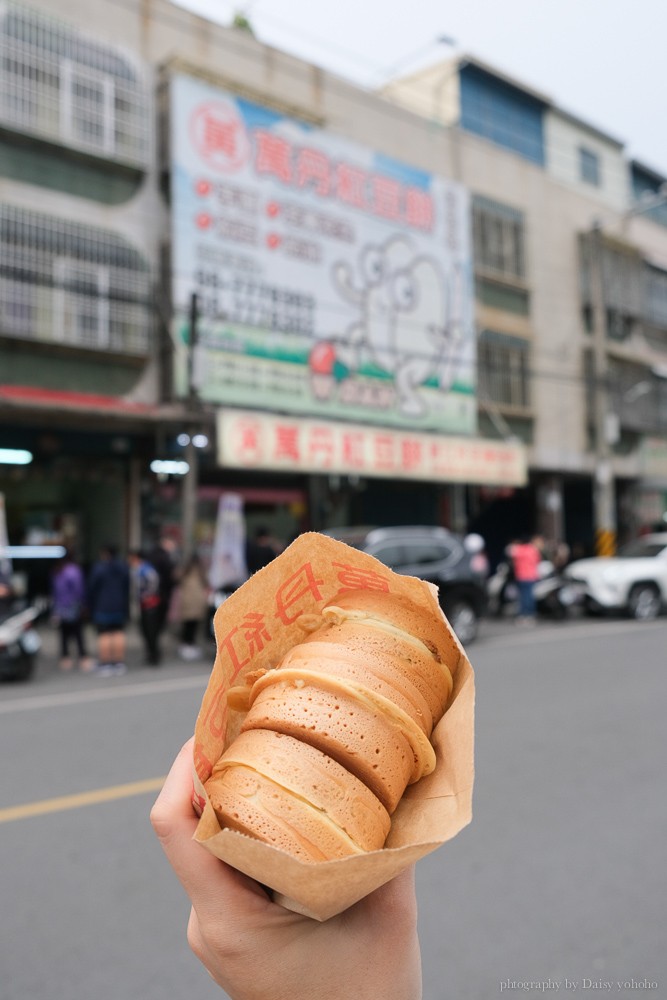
{"x":254,"y":628}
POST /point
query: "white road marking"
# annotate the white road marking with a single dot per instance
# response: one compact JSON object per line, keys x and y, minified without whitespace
{"x":103,"y":694}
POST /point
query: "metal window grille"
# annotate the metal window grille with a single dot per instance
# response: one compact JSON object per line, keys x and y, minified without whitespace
{"x":58,"y":84}
{"x":65,"y":283}
{"x":498,"y":238}
{"x":622,"y":281}
{"x":655,"y":295}
{"x":638,"y":397}
{"x":503,"y":369}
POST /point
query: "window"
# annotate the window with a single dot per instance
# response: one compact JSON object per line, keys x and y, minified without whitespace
{"x":655,"y":295}
{"x":81,"y":302}
{"x":589,"y":167}
{"x":427,"y":552}
{"x":503,"y":369}
{"x":647,"y":184}
{"x":57,"y":83}
{"x":413,"y":553}
{"x":391,"y":555}
{"x":498,"y":238}
{"x":16,"y":308}
{"x":622,"y":286}
{"x":87,"y":102}
{"x":505,"y":114}
{"x":65,"y":283}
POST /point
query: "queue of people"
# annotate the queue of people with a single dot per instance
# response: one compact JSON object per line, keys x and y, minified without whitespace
{"x":148,"y":588}
{"x":117,"y":591}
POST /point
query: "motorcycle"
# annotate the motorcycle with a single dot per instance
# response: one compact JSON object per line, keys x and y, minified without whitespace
{"x":502,"y":592}
{"x":555,"y":597}
{"x":19,"y":643}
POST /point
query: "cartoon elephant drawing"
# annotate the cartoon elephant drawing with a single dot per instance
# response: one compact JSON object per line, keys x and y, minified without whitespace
{"x":410,"y":319}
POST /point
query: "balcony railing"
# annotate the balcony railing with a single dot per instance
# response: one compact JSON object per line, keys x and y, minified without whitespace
{"x":65,"y":283}
{"x":58,"y":85}
{"x":59,"y":316}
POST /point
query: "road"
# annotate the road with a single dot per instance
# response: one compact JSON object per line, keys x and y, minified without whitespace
{"x":559,"y":879}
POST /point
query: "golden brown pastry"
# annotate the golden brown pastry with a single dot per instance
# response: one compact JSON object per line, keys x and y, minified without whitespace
{"x":292,"y":796}
{"x":362,"y":693}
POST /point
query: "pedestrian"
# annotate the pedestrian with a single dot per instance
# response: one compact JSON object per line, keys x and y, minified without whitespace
{"x":68,"y":607}
{"x":255,"y":949}
{"x":109,"y":604}
{"x":526,"y":556}
{"x":161,"y":557}
{"x":6,"y":589}
{"x":191,"y":607}
{"x":147,"y":584}
{"x":261,"y":550}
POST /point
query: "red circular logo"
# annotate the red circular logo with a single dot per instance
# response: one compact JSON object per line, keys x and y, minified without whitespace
{"x":219,"y":136}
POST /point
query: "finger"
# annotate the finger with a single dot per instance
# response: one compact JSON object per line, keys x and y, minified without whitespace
{"x":211,"y":884}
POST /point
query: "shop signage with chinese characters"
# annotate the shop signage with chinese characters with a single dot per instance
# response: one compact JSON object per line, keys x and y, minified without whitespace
{"x":332,"y":281}
{"x":254,"y":440}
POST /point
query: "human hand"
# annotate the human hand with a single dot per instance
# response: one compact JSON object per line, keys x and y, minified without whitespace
{"x":257,"y":950}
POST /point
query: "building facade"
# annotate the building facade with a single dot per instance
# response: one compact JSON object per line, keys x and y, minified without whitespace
{"x":585,"y":304}
{"x":375,"y":307}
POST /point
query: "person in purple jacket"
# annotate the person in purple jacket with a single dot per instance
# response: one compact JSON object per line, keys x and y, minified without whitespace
{"x":68,"y":602}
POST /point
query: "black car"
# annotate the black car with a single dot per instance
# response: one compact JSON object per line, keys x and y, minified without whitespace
{"x":454,"y":563}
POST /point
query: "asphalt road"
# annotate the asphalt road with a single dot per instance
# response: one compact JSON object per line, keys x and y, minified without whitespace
{"x":559,"y":879}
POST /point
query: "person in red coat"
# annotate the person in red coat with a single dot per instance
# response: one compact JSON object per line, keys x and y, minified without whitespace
{"x":526,"y":557}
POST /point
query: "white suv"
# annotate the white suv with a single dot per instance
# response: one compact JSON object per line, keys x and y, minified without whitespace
{"x":633,"y":581}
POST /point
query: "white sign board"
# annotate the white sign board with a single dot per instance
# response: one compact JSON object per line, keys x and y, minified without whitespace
{"x":254,"y":440}
{"x":332,"y":280}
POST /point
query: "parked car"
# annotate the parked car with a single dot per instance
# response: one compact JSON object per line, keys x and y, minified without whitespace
{"x":455,"y":564}
{"x":634,"y":581}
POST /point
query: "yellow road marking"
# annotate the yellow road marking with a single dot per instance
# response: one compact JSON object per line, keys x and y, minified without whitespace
{"x":81,"y":799}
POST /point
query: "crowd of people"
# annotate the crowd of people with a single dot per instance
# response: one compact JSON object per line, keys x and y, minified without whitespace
{"x":149,"y":589}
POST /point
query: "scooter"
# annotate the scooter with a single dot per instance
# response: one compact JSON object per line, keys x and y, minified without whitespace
{"x":19,"y":643}
{"x":555,"y":597}
{"x":502,"y":592}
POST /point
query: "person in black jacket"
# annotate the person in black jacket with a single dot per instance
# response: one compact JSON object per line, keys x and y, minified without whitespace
{"x":162,"y":559}
{"x":147,"y":587}
{"x":260,"y":550}
{"x":109,"y":604}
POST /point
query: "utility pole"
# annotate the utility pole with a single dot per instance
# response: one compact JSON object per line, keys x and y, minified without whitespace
{"x":604,"y":492}
{"x":191,"y":478}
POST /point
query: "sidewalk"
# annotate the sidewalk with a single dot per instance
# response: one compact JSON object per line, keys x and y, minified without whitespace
{"x":49,"y":655}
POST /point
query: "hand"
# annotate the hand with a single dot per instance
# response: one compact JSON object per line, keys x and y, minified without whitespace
{"x":257,"y":950}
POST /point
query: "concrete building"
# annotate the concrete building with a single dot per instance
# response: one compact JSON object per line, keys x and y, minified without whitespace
{"x":597,"y":387}
{"x":110,"y":223}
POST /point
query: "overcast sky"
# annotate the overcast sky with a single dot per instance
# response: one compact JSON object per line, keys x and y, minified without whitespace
{"x":602,"y":60}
